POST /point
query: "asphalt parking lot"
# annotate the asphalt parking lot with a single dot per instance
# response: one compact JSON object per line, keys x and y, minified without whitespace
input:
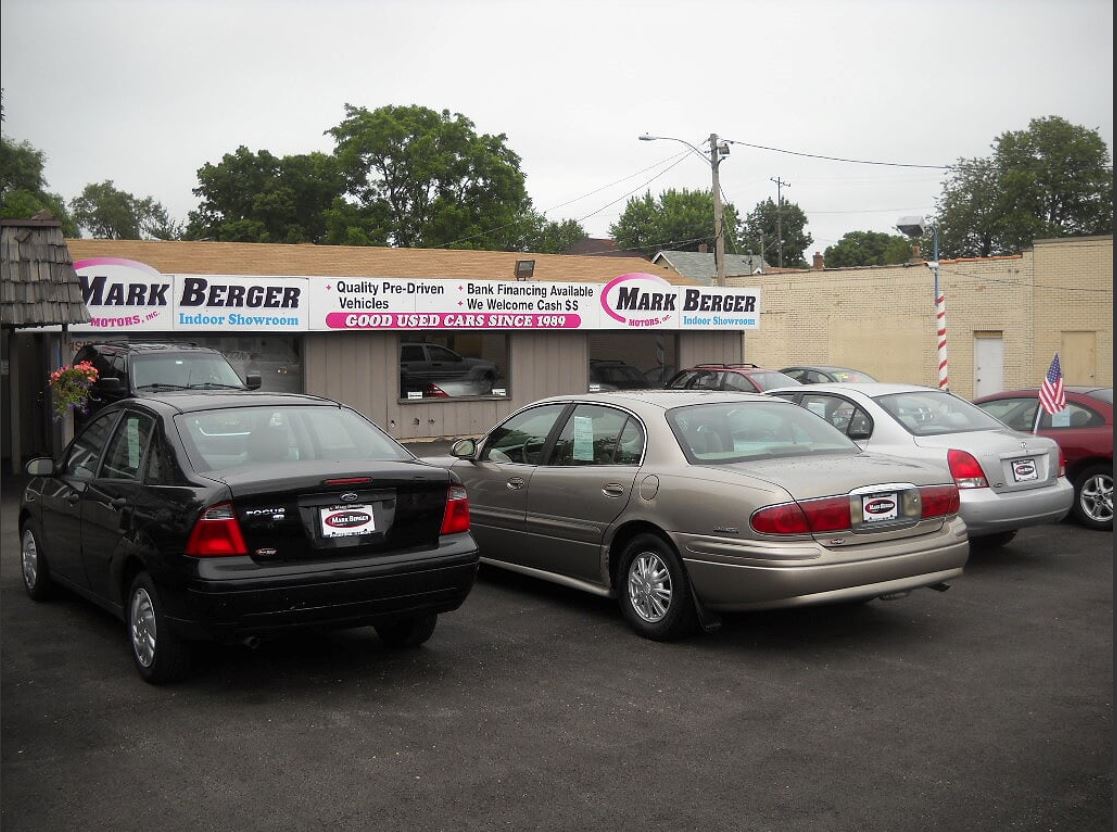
{"x":987,"y":707}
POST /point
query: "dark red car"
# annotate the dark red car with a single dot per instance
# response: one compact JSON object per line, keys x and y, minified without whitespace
{"x":1084,"y":431}
{"x":746,"y":378}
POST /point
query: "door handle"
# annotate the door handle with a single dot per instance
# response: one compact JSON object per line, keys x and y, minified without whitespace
{"x":515,"y":483}
{"x":612,"y":489}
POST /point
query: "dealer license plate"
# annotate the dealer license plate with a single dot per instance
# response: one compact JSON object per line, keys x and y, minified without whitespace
{"x":342,"y":521}
{"x":1025,"y":469}
{"x":879,"y":507}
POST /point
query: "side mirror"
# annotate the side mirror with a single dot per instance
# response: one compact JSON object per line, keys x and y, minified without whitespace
{"x":40,"y":466}
{"x":109,"y":386}
{"x":253,"y":381}
{"x":858,"y":434}
{"x":464,"y":449}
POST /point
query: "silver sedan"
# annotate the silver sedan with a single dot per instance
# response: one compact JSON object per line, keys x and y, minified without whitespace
{"x":1007,"y":479}
{"x":685,"y":503}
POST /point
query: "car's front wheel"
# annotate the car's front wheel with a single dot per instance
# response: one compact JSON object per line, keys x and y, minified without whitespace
{"x":654,"y":592}
{"x":159,"y":654}
{"x":36,"y":573}
{"x":1093,"y":497}
{"x":408,"y":632}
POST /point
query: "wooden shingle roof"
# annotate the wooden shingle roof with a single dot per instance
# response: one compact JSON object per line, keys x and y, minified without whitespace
{"x":188,"y":257}
{"x":38,"y":284}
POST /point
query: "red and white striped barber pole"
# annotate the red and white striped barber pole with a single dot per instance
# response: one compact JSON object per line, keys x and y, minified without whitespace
{"x":940,"y":324}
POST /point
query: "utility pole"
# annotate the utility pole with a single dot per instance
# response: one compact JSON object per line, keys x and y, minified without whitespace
{"x":780,"y":184}
{"x":719,"y":226}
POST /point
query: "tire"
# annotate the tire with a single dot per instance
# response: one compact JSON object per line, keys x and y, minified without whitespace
{"x":655,"y":594}
{"x":159,"y":654}
{"x":407,"y":632}
{"x":994,"y":541}
{"x":36,"y":572}
{"x":1093,"y":497}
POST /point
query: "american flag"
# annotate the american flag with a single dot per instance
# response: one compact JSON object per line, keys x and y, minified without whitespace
{"x":1051,"y":396}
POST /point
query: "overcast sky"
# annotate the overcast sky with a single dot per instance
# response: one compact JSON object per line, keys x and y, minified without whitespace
{"x":145,"y":93}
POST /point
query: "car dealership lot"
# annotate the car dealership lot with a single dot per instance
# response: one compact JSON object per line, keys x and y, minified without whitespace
{"x":534,"y":706}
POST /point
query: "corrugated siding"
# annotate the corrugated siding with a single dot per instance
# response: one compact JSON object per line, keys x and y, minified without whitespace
{"x":361,"y":369}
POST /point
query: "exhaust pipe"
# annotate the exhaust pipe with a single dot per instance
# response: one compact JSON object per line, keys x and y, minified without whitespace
{"x":251,"y":642}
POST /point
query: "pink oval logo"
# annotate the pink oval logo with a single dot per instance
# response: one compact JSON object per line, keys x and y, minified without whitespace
{"x":639,"y":299}
{"x":881,"y":505}
{"x":347,"y":519}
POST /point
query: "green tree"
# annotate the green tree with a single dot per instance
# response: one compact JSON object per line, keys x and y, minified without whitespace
{"x":262,"y":198}
{"x":551,"y":237}
{"x":427,"y":179}
{"x":108,"y":213}
{"x":677,"y":220}
{"x":23,"y":189}
{"x":1053,"y":179}
{"x":759,"y":234}
{"x":868,"y":248}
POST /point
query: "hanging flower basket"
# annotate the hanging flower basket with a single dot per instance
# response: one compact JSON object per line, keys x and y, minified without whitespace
{"x":69,"y":387}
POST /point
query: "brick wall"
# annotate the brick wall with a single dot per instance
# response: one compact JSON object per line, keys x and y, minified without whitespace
{"x":1056,"y":296}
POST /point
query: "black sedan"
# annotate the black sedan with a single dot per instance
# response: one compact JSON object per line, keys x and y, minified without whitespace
{"x":232,"y":516}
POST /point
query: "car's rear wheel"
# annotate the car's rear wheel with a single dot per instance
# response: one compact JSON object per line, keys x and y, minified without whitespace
{"x":654,"y":592}
{"x":408,"y":632}
{"x":160,"y":655}
{"x":1093,"y":497}
{"x":36,"y":573}
{"x":994,"y":541}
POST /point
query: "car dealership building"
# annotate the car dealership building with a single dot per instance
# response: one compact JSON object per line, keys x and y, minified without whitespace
{"x":428,"y":343}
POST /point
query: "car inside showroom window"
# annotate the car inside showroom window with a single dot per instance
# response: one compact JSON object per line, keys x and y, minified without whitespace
{"x":453,"y":365}
{"x":631,"y":360}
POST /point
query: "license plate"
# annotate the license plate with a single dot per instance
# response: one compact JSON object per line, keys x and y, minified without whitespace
{"x":342,"y":521}
{"x":879,"y":507}
{"x":1024,"y":470}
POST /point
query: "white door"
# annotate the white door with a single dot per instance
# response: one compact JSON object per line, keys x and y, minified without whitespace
{"x":988,"y":363}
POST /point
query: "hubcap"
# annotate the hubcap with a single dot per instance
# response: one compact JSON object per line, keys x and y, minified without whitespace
{"x":1096,"y":498}
{"x":142,"y":617}
{"x":649,"y":587}
{"x":30,"y":559}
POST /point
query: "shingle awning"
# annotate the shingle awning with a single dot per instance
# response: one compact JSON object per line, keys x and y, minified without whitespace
{"x":38,"y":284}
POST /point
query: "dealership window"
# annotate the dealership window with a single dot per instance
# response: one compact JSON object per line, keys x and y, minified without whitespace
{"x":631,"y":360}
{"x":453,"y":365}
{"x":276,"y":358}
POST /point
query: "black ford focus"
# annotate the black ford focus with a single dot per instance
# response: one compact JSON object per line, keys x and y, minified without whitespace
{"x":230,"y":517}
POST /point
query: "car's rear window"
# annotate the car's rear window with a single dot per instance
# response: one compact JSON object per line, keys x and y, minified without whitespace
{"x":747,"y":430}
{"x":771,"y":379}
{"x":842,"y":375}
{"x":236,"y":437}
{"x":1105,"y":395}
{"x":933,"y":412}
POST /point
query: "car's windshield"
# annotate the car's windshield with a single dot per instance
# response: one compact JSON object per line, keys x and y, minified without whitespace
{"x":933,"y":412}
{"x":1105,"y":395}
{"x":184,"y":371}
{"x":748,"y":430}
{"x":236,"y":437}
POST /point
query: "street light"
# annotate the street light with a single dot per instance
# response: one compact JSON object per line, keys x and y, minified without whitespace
{"x":914,"y":228}
{"x":716,"y":153}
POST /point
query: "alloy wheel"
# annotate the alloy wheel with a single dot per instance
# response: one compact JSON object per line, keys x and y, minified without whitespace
{"x":30,"y":558}
{"x":1096,"y":498}
{"x":649,"y":587}
{"x":142,"y":618}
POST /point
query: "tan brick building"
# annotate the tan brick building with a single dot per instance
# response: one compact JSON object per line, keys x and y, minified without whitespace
{"x":1006,"y":317}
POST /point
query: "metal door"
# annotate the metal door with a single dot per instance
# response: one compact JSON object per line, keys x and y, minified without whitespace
{"x":988,"y":363}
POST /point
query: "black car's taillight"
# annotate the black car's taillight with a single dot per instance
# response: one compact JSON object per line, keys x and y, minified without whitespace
{"x":456,"y":518}
{"x":216,"y":534}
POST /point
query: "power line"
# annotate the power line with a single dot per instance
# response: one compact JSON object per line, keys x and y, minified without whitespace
{"x":839,"y":158}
